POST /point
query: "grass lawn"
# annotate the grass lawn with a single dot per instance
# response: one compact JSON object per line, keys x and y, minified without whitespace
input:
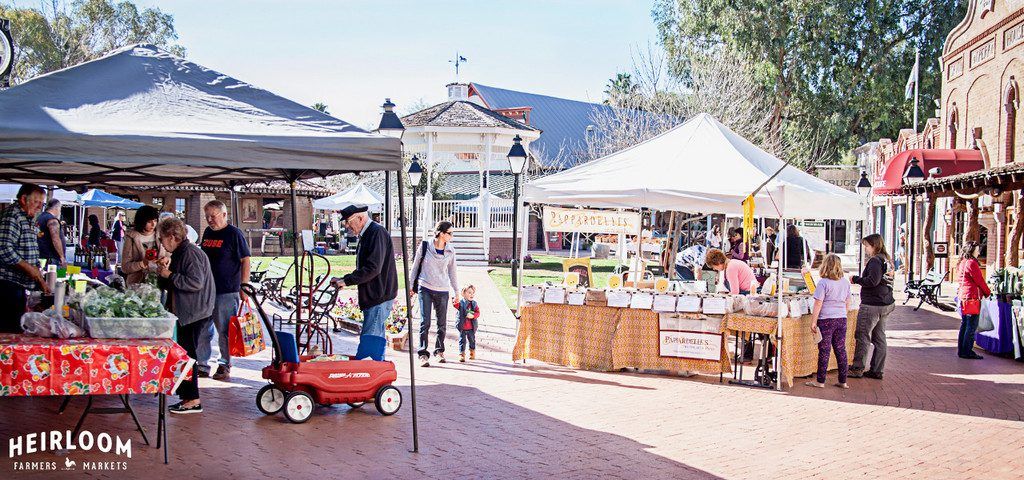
{"x":547,"y":268}
{"x":340,"y":265}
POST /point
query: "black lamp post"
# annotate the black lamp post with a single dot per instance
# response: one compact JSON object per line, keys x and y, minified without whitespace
{"x":415,"y":173}
{"x":913,"y":176}
{"x":516,"y":163}
{"x":863,"y":188}
{"x":390,"y":125}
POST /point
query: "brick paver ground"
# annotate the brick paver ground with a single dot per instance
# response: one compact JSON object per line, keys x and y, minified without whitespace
{"x":934,"y":416}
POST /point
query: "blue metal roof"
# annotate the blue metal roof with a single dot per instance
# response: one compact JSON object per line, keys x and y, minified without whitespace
{"x":563,"y":122}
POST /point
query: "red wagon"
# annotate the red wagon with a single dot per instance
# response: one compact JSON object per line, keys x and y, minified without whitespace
{"x":297,"y":387}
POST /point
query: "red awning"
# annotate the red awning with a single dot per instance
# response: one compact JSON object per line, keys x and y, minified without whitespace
{"x":889,"y":180}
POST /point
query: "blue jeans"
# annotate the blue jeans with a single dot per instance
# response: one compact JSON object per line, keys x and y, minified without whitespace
{"x":372,"y":332}
{"x":463,"y":336}
{"x":965,"y":339}
{"x":225,"y":307}
{"x":438,"y":302}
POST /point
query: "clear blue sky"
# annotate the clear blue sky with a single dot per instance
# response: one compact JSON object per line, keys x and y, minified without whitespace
{"x":352,"y":54}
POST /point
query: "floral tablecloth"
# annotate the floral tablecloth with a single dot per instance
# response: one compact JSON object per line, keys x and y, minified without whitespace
{"x":33,"y":366}
{"x":799,"y":352}
{"x":600,"y":338}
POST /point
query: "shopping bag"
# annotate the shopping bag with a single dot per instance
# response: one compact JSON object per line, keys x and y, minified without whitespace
{"x":245,"y":333}
{"x":985,"y":322}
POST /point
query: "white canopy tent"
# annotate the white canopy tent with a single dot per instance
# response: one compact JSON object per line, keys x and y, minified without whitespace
{"x":140,"y":117}
{"x":700,"y":166}
{"x":357,"y":195}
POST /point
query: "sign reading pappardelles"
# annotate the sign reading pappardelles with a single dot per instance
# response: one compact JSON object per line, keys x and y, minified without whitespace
{"x":590,"y":221}
{"x":698,"y":345}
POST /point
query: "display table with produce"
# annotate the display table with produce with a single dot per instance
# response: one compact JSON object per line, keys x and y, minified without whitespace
{"x":609,"y":338}
{"x":613,"y":329}
{"x":103,"y":342}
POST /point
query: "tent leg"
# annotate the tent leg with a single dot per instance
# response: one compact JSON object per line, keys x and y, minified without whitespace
{"x":408,"y":312}
{"x":387,"y":202}
{"x":778,"y":327}
{"x":295,"y":260}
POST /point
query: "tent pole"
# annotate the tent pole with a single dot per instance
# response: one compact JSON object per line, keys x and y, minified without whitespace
{"x":295,"y":260}
{"x":408,"y":310}
{"x":387,"y":201}
{"x":778,"y":326}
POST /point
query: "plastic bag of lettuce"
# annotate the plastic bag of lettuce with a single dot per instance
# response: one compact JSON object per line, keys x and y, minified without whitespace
{"x":139,"y":301}
{"x":134,"y":313}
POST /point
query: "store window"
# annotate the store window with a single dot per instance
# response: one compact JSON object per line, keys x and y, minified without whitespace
{"x":179,"y":206}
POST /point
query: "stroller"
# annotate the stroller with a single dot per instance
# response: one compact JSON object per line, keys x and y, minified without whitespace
{"x":299,"y":383}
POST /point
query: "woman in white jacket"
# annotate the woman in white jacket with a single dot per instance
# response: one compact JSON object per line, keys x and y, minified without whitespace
{"x":434,"y":276}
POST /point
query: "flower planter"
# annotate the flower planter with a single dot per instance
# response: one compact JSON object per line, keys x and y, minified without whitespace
{"x":398,"y":341}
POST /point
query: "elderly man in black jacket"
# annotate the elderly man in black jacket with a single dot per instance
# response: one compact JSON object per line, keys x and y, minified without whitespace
{"x":375,"y":277}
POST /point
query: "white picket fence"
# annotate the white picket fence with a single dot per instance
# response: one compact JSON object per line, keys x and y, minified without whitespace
{"x":464,"y":214}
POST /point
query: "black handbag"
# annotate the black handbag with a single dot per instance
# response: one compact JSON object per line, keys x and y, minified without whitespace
{"x":418,"y":267}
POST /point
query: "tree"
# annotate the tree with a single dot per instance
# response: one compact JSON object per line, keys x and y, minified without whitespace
{"x":620,"y":88}
{"x":840,"y":65}
{"x":718,"y":82}
{"x":321,"y":107}
{"x":60,"y":34}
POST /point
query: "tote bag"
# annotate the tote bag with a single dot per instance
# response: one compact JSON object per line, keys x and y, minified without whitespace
{"x":245,"y":333}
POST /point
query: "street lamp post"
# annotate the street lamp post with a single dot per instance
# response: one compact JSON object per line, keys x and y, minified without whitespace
{"x":415,"y":173}
{"x":517,"y":163}
{"x":863,"y":188}
{"x":390,"y":125}
{"x":913,"y":176}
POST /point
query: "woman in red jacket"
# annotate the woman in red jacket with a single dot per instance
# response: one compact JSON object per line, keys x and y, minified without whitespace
{"x":972,"y":289}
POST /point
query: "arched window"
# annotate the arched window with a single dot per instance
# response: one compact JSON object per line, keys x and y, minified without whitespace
{"x":1010,"y":103}
{"x":954,"y":125}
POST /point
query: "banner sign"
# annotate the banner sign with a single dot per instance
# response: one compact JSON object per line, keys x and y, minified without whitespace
{"x":696,"y":345}
{"x":590,"y":221}
{"x":814,"y":232}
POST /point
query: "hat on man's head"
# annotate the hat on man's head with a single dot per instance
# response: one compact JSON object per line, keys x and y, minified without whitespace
{"x":352,"y":210}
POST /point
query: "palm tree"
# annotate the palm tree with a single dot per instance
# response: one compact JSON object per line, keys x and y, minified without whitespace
{"x":620,"y":87}
{"x":320,"y":107}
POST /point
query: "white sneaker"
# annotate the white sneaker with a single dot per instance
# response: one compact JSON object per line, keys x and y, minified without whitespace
{"x":424,"y":361}
{"x":439,"y":356}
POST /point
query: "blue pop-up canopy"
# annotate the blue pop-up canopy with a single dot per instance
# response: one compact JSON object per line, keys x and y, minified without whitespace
{"x":99,"y":198}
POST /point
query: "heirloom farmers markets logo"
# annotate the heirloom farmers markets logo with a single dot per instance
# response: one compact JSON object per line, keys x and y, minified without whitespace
{"x":62,"y":443}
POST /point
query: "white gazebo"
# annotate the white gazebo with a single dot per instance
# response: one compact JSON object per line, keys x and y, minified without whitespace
{"x":459,"y":137}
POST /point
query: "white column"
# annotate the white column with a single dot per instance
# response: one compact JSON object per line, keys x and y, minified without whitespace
{"x":484,"y":210}
{"x":428,"y":197}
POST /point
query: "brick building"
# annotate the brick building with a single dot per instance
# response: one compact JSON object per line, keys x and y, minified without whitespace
{"x":262,"y":208}
{"x":982,"y":62}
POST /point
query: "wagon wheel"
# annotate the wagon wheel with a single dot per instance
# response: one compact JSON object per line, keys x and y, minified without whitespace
{"x":388,"y":400}
{"x":298,"y":407}
{"x":270,"y":399}
{"x":355,"y":405}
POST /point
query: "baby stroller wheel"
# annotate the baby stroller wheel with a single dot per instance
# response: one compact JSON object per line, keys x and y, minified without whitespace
{"x":388,"y":400}
{"x":298,"y":407}
{"x":356,"y":404}
{"x":270,"y":400}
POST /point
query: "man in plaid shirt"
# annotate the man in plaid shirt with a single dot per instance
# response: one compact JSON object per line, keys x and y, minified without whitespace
{"x":19,"y":256}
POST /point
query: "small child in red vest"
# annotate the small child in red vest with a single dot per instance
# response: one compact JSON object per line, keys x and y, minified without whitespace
{"x":469,"y":312}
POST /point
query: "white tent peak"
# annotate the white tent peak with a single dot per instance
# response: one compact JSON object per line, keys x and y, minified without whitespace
{"x":699,"y":166}
{"x":357,"y":195}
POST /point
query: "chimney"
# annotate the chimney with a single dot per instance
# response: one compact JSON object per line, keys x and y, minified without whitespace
{"x":458,"y":91}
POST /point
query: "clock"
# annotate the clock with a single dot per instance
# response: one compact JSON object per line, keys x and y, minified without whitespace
{"x":6,"y":49}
